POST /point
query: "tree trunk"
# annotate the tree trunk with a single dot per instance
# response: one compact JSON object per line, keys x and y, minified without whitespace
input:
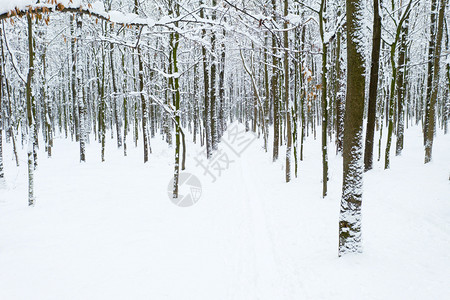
{"x":274,"y":88}
{"x":30,"y":116}
{"x":391,"y":102}
{"x":431,"y":51}
{"x":74,"y":115}
{"x":350,"y":212}
{"x":114,"y":96}
{"x":2,"y":172}
{"x":213,"y":113}
{"x":143,"y":105}
{"x":80,"y":98}
{"x":435,"y":86}
{"x":222,"y":119}
{"x":373,"y":87}
{"x":286,"y":94}
{"x":102,"y":109}
{"x":175,"y":43}
{"x":339,"y":96}
{"x":401,"y":89}
{"x":303,"y":94}
{"x":322,"y":23}
{"x":125,"y":106}
{"x":447,"y":98}
{"x":207,"y":111}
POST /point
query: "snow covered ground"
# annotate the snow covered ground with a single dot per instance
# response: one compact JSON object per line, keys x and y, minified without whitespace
{"x":109,"y":231}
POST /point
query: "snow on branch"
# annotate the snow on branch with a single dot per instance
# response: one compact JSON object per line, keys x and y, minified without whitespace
{"x":20,"y":8}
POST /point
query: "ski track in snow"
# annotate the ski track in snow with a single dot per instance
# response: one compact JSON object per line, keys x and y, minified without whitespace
{"x":109,"y":231}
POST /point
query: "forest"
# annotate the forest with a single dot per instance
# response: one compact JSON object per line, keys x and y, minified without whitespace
{"x":285,"y":100}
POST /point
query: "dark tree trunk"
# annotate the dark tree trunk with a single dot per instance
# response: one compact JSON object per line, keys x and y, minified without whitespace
{"x":324,"y":102}
{"x":435,"y":85}
{"x":350,"y":213}
{"x":431,"y":51}
{"x":30,"y":116}
{"x":207,"y":109}
{"x":274,"y":91}
{"x":401,"y":90}
{"x":373,"y":87}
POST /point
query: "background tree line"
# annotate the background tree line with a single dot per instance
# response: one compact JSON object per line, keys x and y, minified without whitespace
{"x":177,"y":69}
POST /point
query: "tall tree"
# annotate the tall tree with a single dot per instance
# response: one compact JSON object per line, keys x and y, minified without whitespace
{"x":30,"y":115}
{"x":174,"y":43}
{"x":286,"y":93}
{"x":435,"y":85}
{"x":206,"y":99}
{"x":80,"y":97}
{"x":431,"y":51}
{"x":141,"y":93}
{"x":2,"y":172}
{"x":401,"y":83}
{"x":114,"y":96}
{"x":340,"y":93}
{"x":404,"y":17}
{"x":274,"y":89}
{"x":324,"y":102}
{"x":214,"y":137}
{"x":373,"y":86}
{"x":350,"y":212}
{"x":74,"y":114}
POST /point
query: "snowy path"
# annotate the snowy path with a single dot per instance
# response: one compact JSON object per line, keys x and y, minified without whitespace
{"x":109,"y":231}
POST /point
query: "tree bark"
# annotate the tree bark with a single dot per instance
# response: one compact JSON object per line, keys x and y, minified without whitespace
{"x":274,"y":90}
{"x":431,"y":51}
{"x":286,"y":94}
{"x":373,"y":87}
{"x":324,"y":102}
{"x":207,"y":110}
{"x":30,"y":116}
{"x":350,"y":212}
{"x":80,"y":98}
{"x":401,"y":89}
{"x":435,"y":86}
{"x":213,"y":113}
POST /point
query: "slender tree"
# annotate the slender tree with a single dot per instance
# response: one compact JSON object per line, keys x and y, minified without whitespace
{"x":402,"y":59}
{"x":435,"y":85}
{"x":391,"y":104}
{"x":286,"y":94}
{"x":80,"y":97}
{"x":2,"y":172}
{"x":213,"y":74}
{"x":431,"y":51}
{"x":30,"y":116}
{"x":274,"y":89}
{"x":322,"y":25}
{"x":373,"y":86}
{"x":207,"y":110}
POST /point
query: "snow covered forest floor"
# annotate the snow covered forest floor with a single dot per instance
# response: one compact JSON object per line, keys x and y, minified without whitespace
{"x":109,"y":231}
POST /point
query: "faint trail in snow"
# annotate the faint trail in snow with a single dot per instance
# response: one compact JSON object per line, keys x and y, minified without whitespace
{"x":268,"y":281}
{"x":287,"y":275}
